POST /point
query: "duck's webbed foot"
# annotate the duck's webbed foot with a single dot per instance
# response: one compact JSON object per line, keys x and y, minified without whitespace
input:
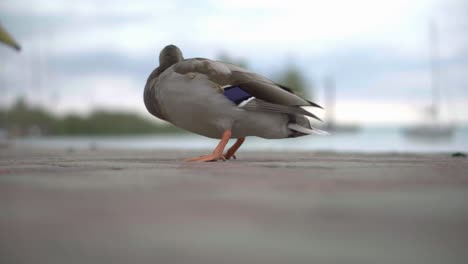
{"x":232,"y":150}
{"x":211,"y":157}
{"x":218,"y":151}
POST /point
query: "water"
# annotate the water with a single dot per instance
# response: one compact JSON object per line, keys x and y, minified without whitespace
{"x":370,"y":139}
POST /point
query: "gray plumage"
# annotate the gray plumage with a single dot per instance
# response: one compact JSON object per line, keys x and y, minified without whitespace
{"x":260,"y":105}
{"x":189,"y":94}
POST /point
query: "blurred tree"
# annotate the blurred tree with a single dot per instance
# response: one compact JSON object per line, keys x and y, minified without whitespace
{"x":225,"y":57}
{"x":293,"y":78}
{"x":24,"y":118}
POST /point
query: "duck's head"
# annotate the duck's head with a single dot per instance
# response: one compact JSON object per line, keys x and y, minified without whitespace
{"x":169,"y":56}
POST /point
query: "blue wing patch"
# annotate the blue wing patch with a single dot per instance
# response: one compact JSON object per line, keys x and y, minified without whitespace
{"x":236,"y":94}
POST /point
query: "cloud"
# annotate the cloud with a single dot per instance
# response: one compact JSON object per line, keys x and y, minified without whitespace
{"x":100,"y":91}
{"x":266,"y":26}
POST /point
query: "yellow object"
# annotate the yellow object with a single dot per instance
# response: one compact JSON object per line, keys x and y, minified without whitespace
{"x":8,"y":40}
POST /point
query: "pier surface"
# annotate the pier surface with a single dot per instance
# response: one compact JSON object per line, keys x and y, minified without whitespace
{"x":127,"y":206}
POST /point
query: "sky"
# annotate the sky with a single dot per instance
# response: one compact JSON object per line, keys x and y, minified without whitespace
{"x":81,"y":55}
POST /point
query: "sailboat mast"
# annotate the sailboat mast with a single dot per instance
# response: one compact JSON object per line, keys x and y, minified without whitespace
{"x":435,"y":69}
{"x":330,"y":99}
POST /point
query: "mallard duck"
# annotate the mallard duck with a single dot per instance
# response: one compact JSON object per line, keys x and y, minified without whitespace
{"x":223,"y":101}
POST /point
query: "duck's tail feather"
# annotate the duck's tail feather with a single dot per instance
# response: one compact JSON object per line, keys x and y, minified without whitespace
{"x":301,"y":126}
{"x":260,"y":105}
{"x":307,"y":131}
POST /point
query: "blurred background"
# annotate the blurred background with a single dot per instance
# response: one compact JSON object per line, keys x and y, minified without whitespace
{"x":392,"y":75}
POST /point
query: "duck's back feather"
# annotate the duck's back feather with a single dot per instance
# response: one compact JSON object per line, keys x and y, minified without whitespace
{"x":225,"y":74}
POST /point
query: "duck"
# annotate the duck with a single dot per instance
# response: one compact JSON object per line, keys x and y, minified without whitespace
{"x":223,"y":101}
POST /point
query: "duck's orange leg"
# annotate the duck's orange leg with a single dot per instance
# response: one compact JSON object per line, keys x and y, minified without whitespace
{"x":232,"y":150}
{"x":218,"y":151}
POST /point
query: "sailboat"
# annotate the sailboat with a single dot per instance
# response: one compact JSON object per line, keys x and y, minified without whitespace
{"x":433,"y":129}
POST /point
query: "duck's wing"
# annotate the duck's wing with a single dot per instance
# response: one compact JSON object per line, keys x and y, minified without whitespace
{"x":226,"y":75}
{"x":240,"y":85}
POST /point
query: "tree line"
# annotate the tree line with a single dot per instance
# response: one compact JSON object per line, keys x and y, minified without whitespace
{"x":23,"y":119}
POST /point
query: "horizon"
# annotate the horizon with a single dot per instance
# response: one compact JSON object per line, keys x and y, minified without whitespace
{"x":147,"y":116}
